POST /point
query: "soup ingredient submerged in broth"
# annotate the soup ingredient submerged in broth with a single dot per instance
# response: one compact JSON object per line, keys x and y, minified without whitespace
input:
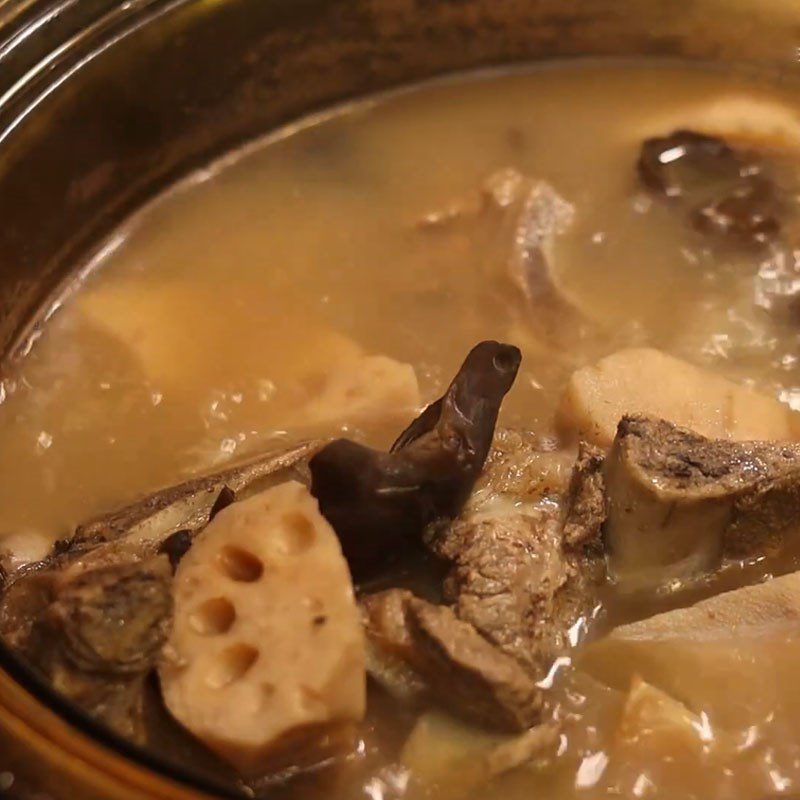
{"x":331,"y":279}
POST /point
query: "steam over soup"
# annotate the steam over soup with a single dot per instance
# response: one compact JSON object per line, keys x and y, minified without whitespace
{"x":443,"y":446}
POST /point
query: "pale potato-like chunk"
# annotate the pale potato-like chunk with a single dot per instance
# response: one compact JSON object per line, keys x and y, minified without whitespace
{"x":647,"y":381}
{"x":659,"y":737}
{"x":656,"y":724}
{"x":266,"y":661}
{"x":734,"y":657}
{"x":180,"y":334}
{"x":150,"y":324}
{"x":453,"y":758}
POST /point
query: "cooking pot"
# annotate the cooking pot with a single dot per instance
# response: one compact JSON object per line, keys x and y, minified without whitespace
{"x":104,"y":103}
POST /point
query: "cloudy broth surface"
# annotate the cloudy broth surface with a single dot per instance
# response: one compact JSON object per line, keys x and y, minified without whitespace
{"x":209,"y":324}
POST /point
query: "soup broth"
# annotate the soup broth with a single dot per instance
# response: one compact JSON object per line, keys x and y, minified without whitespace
{"x":208,"y":327}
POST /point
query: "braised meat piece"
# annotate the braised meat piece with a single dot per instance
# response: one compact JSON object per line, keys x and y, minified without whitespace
{"x":586,"y":500}
{"x":524,"y":573}
{"x":505,"y":572}
{"x":427,"y":646}
{"x":98,"y":635}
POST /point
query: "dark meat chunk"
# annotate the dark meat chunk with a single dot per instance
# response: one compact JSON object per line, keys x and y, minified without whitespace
{"x":487,"y":685}
{"x":679,"y":503}
{"x":586,"y":500}
{"x":542,"y":216}
{"x":525,"y":573}
{"x":112,"y":620}
{"x":390,"y":646}
{"x":513,"y":225}
{"x":448,"y":661}
{"x":378,"y":503}
{"x":98,"y":635}
{"x":725,"y":191}
{"x":505,"y":572}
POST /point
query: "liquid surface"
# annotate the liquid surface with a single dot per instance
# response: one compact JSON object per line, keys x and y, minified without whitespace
{"x":208,"y":325}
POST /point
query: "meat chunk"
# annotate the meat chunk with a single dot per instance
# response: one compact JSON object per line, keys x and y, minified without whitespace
{"x":645,"y":381}
{"x":525,"y":573}
{"x":679,"y":502}
{"x":96,"y":634}
{"x":514,"y":580}
{"x":447,"y":656}
{"x":517,"y":220}
{"x":542,"y":217}
{"x":535,"y":217}
{"x":141,"y":528}
{"x":586,"y":500}
{"x":523,"y":466}
{"x":265,"y":663}
{"x":506,"y":571}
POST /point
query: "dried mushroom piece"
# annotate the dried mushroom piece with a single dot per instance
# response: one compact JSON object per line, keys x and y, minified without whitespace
{"x":726,"y":192}
{"x":379,"y":502}
{"x":513,"y":223}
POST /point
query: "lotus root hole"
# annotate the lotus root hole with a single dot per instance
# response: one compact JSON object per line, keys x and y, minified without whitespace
{"x":240,"y":565}
{"x":214,"y":617}
{"x":231,"y":665}
{"x":298,"y":531}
